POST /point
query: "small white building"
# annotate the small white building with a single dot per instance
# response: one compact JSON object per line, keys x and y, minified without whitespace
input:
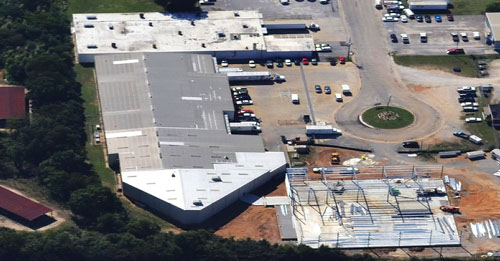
{"x":428,"y":4}
{"x":493,"y":24}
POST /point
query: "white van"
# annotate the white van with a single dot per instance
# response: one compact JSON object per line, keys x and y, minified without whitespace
{"x":295,"y":98}
{"x":338,"y":97}
{"x":409,"y":13}
{"x":346,"y":89}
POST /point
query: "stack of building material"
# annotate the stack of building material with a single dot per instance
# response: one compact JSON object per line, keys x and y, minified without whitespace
{"x":487,"y":227}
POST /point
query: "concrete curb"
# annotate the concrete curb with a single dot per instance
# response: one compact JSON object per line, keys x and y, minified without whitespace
{"x":360,"y":118}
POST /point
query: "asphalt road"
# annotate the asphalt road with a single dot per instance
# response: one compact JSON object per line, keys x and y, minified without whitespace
{"x":379,"y":79}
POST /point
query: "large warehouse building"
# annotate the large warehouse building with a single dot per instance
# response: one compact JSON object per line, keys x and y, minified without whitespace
{"x":223,"y":34}
{"x":493,"y":24}
{"x":166,"y":126}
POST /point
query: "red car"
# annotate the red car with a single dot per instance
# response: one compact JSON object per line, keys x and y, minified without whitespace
{"x":455,"y":51}
{"x":342,"y":59}
{"x":244,"y":111}
{"x":450,"y":18}
{"x":305,"y":61}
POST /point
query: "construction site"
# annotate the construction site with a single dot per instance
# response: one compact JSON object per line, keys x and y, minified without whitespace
{"x":366,"y":207}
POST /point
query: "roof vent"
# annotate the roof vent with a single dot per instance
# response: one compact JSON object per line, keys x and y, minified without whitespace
{"x":113,"y":45}
{"x":236,"y":37}
{"x":111,"y":27}
{"x":173,"y":175}
{"x":141,"y":15}
{"x":91,"y":17}
{"x":154,"y":46}
{"x":236,"y":14}
{"x":197,"y":202}
{"x":192,"y":23}
{"x":151,"y":24}
{"x":88,"y":26}
{"x":203,"y":45}
{"x":179,"y":32}
{"x":216,"y":179}
{"x":92,"y":46}
{"x":245,"y":26}
{"x":220,"y":33}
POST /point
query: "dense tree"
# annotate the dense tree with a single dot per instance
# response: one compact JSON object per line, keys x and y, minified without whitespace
{"x":178,"y":5}
{"x":493,"y":7}
{"x":94,"y":201}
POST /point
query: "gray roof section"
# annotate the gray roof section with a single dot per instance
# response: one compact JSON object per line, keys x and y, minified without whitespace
{"x":166,"y":111}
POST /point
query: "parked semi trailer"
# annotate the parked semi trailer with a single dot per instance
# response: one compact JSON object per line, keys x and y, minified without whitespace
{"x":249,"y":76}
{"x":322,"y":130}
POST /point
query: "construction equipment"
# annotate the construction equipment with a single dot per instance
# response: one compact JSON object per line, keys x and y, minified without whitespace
{"x":450,"y":209}
{"x":335,"y":159}
{"x":394,"y":192}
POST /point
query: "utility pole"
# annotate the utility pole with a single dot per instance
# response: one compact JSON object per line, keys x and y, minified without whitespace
{"x":349,"y":48}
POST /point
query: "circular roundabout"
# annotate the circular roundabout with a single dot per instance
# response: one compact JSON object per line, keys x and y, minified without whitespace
{"x":387,"y":117}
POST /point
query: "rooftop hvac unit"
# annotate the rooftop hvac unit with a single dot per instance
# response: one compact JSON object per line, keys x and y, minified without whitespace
{"x":217,"y":179}
{"x":192,"y":23}
{"x":236,"y":14}
{"x":141,"y":15}
{"x":113,"y":45}
{"x":197,"y":202}
{"x":179,"y":32}
{"x":220,"y":33}
{"x":88,"y":26}
{"x":91,"y":17}
{"x":92,"y":46}
{"x":151,"y":24}
{"x":154,"y":46}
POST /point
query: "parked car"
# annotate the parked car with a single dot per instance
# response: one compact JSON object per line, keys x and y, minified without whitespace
{"x":244,"y":102}
{"x":438,"y":18}
{"x":317,"y":88}
{"x":476,"y":35}
{"x":239,"y":90}
{"x":389,"y":19}
{"x":279,"y":63}
{"x":464,"y":36}
{"x":333,"y":62}
{"x":224,"y":63}
{"x":455,"y":51}
{"x":296,"y":61}
{"x":473,"y":120}
{"x":466,"y":89}
{"x":423,"y":37}
{"x":269,"y":64}
{"x":455,"y":38}
{"x":450,"y":18}
{"x":428,"y":19}
{"x":245,"y":111}
{"x":305,"y":61}
{"x":404,"y":19}
{"x":314,"y":61}
{"x":341,"y":59}
{"x":461,"y":134}
{"x":469,"y":109}
{"x":405,"y":38}
{"x":466,"y":99}
{"x":252,"y":64}
{"x":326,"y":47}
{"x":328,"y":90}
{"x":394,"y":38}
{"x":288,"y":62}
{"x":285,"y":2}
{"x":465,"y":104}
{"x":411,"y":144}
{"x":419,"y":18}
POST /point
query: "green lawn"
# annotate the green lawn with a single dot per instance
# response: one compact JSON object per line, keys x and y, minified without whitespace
{"x":371,"y":117}
{"x":85,"y":76}
{"x":112,"y":6}
{"x":441,"y":62}
{"x":470,"y":7}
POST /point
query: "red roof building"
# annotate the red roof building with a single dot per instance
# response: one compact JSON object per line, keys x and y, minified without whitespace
{"x":12,"y":102}
{"x":21,"y":206}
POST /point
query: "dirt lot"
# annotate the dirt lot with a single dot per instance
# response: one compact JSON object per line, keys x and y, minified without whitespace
{"x":438,"y":88}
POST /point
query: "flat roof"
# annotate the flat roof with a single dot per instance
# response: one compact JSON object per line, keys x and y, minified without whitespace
{"x":164,"y":115}
{"x":175,"y":32}
{"x":494,"y":22}
{"x":495,"y":111}
{"x":12,"y":101}
{"x":21,"y":206}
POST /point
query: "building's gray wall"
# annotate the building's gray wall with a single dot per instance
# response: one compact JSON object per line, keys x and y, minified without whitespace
{"x":226,"y":55}
{"x":195,"y":217}
{"x":495,"y":42}
{"x":429,"y":7}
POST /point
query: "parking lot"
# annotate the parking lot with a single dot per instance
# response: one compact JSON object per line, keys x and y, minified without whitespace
{"x":272,"y":103}
{"x":439,"y":35}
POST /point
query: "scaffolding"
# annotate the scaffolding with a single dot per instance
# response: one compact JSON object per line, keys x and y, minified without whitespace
{"x":374,"y":206}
